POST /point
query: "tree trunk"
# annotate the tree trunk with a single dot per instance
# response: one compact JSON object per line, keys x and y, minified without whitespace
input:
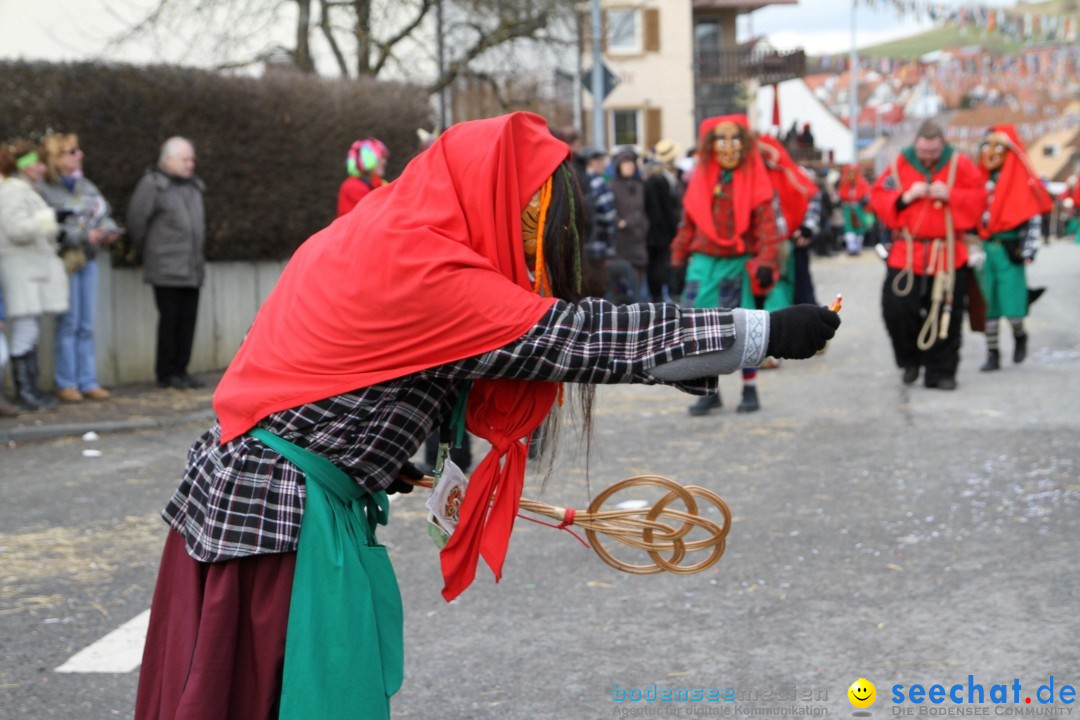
{"x":302,"y":54}
{"x":363,"y":37}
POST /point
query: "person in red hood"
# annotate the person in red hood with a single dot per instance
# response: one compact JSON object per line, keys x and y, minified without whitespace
{"x":456,"y":293}
{"x":1011,"y":230}
{"x":730,"y":234}
{"x":854,"y":193}
{"x":929,"y":196}
{"x":800,"y":209}
{"x":365,"y":164}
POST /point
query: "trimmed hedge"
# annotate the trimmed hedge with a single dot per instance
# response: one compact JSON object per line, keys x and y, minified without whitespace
{"x":271,"y":150}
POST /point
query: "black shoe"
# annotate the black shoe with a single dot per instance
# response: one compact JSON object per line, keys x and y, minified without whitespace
{"x":911,"y":374}
{"x":1020,"y":351}
{"x":173,"y":381}
{"x":191,"y":382}
{"x":705,"y":404}
{"x":944,"y":383}
{"x":749,"y":401}
{"x":993,"y":361}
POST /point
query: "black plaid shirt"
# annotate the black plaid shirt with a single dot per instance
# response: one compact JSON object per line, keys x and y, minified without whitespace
{"x":242,"y":498}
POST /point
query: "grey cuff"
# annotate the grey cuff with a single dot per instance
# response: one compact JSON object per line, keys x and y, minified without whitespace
{"x":751,"y":343}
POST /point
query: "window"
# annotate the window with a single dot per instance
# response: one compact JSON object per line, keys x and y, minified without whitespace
{"x":707,"y":35}
{"x":625,"y":127}
{"x":624,"y":30}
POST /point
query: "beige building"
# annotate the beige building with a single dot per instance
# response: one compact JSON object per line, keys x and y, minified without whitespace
{"x":677,"y":62}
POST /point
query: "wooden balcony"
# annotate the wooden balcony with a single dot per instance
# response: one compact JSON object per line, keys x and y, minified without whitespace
{"x":718,"y":66}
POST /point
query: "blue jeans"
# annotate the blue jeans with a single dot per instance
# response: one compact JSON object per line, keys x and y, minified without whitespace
{"x":75,"y":333}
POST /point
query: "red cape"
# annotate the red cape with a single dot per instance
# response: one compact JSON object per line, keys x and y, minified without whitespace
{"x":430,"y":270}
{"x":846,"y":191}
{"x":791,"y":184}
{"x":1019,"y":195}
{"x":750,"y":180}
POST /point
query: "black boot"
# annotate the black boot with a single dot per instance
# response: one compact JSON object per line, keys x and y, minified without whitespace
{"x":911,"y":374}
{"x":1020,"y":351}
{"x":749,"y":400}
{"x":705,"y":404}
{"x":47,"y":402}
{"x":993,"y":361}
{"x":25,"y":396}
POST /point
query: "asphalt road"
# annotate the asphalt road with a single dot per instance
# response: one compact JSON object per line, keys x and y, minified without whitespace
{"x":903,"y":535}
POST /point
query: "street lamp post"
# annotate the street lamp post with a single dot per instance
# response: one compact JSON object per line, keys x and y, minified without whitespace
{"x":599,"y":136}
{"x":853,"y":90}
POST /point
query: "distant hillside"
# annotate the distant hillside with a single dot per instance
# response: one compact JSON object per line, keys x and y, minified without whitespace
{"x":948,"y":38}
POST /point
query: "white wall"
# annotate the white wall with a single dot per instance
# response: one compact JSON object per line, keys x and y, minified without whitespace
{"x":663,"y":80}
{"x":126,"y":326}
{"x":799,"y":104}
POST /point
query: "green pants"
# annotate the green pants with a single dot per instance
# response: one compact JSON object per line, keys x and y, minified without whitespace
{"x":1003,"y":283}
{"x":718,"y":282}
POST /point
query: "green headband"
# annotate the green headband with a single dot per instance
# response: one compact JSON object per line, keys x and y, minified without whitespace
{"x":27,"y":160}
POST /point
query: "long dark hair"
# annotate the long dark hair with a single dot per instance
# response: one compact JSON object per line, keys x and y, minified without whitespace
{"x":564,"y":232}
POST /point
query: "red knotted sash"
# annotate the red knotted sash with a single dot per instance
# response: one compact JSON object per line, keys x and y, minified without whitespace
{"x":505,"y":413}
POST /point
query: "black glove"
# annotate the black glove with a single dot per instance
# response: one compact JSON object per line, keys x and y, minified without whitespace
{"x":797,"y":332}
{"x":764,"y":277}
{"x":398,"y":485}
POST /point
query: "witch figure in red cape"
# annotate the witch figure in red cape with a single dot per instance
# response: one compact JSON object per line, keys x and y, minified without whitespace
{"x":800,"y":207}
{"x":461,"y":279}
{"x":731,"y":232}
{"x":1011,"y":231}
{"x":854,"y":192}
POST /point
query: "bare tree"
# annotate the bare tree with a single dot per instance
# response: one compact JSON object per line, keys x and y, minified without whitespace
{"x":377,"y":34}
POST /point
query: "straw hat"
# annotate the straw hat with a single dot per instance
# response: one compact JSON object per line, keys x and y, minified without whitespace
{"x":667,"y":151}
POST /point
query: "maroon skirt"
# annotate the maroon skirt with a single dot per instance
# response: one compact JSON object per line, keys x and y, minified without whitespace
{"x":216,"y":642}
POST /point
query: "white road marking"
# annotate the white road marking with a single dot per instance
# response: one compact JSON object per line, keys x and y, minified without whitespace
{"x":118,"y":652}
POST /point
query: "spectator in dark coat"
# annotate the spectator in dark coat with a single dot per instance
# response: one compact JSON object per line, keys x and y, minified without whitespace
{"x":167,"y":223}
{"x":627,"y":271}
{"x":600,"y":212}
{"x":663,"y":204}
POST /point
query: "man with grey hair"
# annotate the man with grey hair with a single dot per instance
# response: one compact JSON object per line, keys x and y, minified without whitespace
{"x":167,"y":224}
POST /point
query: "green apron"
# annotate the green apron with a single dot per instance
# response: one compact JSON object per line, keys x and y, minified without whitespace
{"x":782,"y":294}
{"x":1003,"y":282}
{"x":345,"y":645}
{"x":718,"y":282}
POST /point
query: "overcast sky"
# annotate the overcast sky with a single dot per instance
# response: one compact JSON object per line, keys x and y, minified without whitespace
{"x":77,"y":29}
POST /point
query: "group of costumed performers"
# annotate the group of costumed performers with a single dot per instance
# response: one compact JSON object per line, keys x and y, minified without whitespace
{"x":365,"y":164}
{"x":929,"y":196}
{"x":854,"y":194}
{"x":1011,"y":232}
{"x":731,"y":233}
{"x":459,"y":279}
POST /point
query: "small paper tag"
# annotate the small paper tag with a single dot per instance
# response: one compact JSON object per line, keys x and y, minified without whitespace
{"x":449,"y":493}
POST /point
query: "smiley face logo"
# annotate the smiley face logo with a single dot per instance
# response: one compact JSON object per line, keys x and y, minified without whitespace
{"x":862,"y":693}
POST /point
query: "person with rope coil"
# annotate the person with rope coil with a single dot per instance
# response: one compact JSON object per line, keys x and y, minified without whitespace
{"x":929,"y":197}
